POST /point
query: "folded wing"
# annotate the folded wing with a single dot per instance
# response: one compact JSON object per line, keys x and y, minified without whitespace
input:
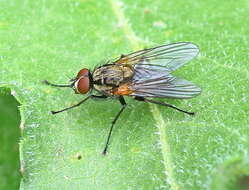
{"x":153,"y":67}
{"x":169,"y":57}
{"x":167,"y":87}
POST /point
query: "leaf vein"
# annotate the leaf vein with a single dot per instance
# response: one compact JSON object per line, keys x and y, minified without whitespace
{"x":135,"y":42}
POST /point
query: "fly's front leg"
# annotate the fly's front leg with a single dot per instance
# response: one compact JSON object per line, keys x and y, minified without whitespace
{"x":123,"y":104}
{"x":98,"y":97}
{"x":162,"y":104}
{"x":81,"y":102}
{"x":73,"y":106}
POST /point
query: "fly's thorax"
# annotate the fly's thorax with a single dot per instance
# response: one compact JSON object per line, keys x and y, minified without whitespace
{"x":112,"y":75}
{"x":109,"y":77}
{"x":104,"y":89}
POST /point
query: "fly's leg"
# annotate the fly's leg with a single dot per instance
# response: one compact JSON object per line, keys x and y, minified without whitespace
{"x":98,"y":97}
{"x":162,"y":104}
{"x":123,"y":103}
{"x":78,"y":104}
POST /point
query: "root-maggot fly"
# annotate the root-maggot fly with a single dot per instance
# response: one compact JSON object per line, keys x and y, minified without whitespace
{"x":143,"y":75}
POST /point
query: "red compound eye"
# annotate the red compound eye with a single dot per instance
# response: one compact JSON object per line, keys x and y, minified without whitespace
{"x":83,"y":85}
{"x":82,"y":72}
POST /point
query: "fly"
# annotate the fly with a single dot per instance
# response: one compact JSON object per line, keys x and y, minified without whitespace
{"x":143,"y":75}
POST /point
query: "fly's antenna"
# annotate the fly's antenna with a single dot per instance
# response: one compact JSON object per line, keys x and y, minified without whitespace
{"x":56,"y":85}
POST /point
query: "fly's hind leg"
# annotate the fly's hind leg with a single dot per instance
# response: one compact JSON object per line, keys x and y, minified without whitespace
{"x":138,"y":98}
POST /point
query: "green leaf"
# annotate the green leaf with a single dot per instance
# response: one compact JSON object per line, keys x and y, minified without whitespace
{"x":9,"y":134}
{"x":152,"y":147}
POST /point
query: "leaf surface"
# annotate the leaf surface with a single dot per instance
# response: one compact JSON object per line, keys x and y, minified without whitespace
{"x":152,"y":147}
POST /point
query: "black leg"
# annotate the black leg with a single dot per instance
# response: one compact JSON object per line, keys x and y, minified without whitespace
{"x":98,"y":97}
{"x":81,"y":102}
{"x":163,"y":104}
{"x":123,"y":103}
{"x":76,"y":105}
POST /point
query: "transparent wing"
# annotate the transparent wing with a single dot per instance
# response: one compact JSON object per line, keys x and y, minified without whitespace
{"x":166,"y":57}
{"x":164,"y":86}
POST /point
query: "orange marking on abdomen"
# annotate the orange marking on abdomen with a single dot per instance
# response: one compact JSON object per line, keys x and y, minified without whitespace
{"x":123,"y":90}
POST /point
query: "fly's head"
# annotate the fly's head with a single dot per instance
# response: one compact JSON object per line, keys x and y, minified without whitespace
{"x":82,"y":82}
